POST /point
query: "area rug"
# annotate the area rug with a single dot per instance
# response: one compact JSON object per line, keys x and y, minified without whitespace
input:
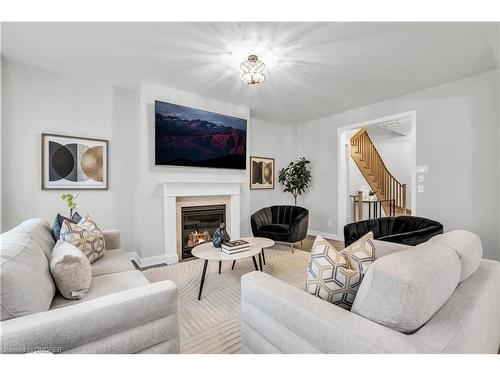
{"x":212,"y":325}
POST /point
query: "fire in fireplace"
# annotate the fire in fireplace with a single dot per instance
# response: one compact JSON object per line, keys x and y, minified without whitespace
{"x":198,"y":225}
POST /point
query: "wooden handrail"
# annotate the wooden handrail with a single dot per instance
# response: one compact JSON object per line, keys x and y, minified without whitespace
{"x":376,"y":173}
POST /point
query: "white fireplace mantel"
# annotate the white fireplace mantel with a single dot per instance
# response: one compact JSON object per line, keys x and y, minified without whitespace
{"x":172,"y":190}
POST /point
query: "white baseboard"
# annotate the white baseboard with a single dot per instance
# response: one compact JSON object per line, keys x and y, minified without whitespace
{"x":151,"y":261}
{"x":326,"y":235}
{"x":132,"y":255}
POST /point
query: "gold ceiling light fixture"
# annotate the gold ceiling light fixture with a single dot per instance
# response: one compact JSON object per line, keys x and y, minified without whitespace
{"x":253,"y":71}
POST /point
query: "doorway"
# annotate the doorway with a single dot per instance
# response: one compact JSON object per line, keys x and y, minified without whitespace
{"x":396,"y":136}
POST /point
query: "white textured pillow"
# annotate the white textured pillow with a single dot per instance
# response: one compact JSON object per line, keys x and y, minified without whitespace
{"x":71,"y":270}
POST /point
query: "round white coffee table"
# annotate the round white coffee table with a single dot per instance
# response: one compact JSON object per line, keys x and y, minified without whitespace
{"x":207,"y":251}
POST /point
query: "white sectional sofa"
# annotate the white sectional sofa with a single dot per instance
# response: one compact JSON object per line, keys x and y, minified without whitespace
{"x":122,"y":312}
{"x":437,"y":297}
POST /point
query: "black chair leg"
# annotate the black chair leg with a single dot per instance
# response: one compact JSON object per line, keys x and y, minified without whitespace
{"x":220,"y":266}
{"x":260,"y":262}
{"x":263,"y":257}
{"x":234,"y":262}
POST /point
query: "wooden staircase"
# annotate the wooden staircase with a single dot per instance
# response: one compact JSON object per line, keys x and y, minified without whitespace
{"x":381,"y":181}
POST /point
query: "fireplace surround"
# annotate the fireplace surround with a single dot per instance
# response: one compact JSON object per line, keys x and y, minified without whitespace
{"x":196,"y":193}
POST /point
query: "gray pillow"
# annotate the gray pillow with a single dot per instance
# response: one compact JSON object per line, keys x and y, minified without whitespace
{"x":27,"y":286}
{"x":71,"y":270}
{"x":39,"y":230}
{"x":404,"y":289}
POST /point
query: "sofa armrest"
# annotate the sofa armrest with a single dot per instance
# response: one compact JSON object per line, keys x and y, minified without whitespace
{"x":259,"y":219}
{"x":111,"y":239}
{"x":280,"y":318}
{"x":124,"y":322}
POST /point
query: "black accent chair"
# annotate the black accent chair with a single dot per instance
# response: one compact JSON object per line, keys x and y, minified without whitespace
{"x":281,"y":223}
{"x":407,"y":230}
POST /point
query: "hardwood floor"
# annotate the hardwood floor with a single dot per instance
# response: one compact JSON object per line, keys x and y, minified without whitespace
{"x":309,"y":240}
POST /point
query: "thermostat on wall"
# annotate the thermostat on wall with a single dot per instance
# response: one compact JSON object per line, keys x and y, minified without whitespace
{"x":421,"y":169}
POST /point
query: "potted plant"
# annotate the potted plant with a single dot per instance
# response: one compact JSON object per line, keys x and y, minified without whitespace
{"x":70,"y":201}
{"x":295,"y":178}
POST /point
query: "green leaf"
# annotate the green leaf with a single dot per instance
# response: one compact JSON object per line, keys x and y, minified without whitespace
{"x":295,"y":178}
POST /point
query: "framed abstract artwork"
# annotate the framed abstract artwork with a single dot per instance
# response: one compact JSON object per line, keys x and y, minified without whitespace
{"x":74,"y":163}
{"x":261,"y":173}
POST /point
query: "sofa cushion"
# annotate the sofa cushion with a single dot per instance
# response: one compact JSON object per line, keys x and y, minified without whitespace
{"x":111,"y":262}
{"x":58,"y":222}
{"x":275,"y":228}
{"x":39,"y":231}
{"x":27,"y":285}
{"x":71,"y":270}
{"x":329,"y":276}
{"x":404,"y":289}
{"x":86,"y":236}
{"x":104,"y":285}
{"x":467,"y":246}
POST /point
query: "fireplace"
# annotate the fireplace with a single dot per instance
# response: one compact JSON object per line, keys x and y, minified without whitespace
{"x":198,"y":224}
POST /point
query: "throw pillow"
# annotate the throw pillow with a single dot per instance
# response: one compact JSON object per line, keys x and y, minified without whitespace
{"x":361,"y":254}
{"x":58,"y":221}
{"x":71,"y":270}
{"x":330,"y":274}
{"x":86,"y":236}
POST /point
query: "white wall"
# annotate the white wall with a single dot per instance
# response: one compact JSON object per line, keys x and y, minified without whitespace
{"x":37,"y":101}
{"x":278,"y":142}
{"x":457,"y":137}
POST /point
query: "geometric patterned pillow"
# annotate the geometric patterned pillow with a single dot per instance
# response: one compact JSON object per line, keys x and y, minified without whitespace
{"x":86,"y":236}
{"x":361,"y":254}
{"x":329,"y":276}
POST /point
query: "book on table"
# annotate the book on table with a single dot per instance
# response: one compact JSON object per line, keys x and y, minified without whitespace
{"x":234,"y":245}
{"x":231,"y":252}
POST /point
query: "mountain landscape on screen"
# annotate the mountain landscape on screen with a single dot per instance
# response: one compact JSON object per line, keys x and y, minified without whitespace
{"x":191,"y":137}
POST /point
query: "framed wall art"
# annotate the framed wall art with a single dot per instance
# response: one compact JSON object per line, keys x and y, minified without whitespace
{"x":191,"y":137}
{"x":74,"y":162}
{"x":261,"y":173}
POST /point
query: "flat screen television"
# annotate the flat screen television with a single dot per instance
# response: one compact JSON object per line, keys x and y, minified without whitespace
{"x":191,"y":137}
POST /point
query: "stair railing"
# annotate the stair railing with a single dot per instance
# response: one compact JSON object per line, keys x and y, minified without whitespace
{"x":373,"y":168}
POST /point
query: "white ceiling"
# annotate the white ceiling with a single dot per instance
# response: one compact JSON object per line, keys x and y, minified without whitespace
{"x":314,"y":69}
